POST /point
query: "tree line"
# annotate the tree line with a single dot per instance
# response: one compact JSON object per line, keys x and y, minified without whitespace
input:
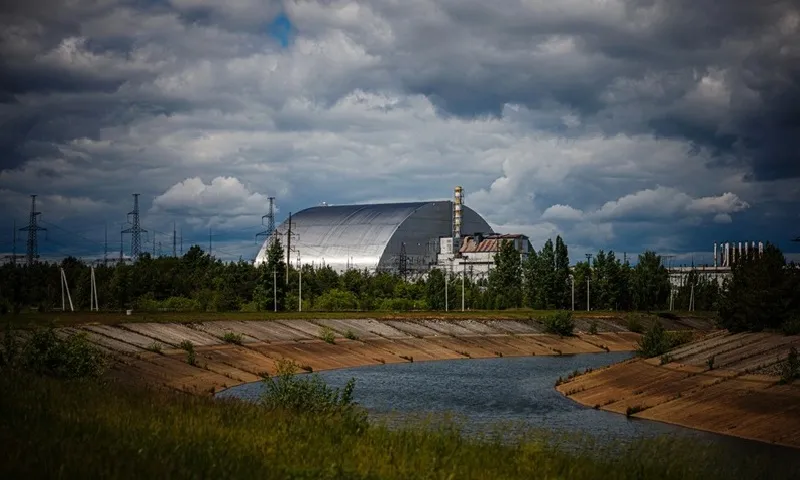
{"x":198,"y":282}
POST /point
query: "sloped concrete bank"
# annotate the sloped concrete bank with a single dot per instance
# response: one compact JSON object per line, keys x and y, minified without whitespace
{"x":151,"y":353}
{"x":740,"y":396}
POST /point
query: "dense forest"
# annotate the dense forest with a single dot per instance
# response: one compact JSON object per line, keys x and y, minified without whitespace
{"x":198,"y":282}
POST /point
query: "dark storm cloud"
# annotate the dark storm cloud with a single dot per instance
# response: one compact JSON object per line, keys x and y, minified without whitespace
{"x":754,"y":43}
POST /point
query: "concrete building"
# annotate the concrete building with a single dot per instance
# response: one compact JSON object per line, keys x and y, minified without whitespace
{"x":475,"y":255}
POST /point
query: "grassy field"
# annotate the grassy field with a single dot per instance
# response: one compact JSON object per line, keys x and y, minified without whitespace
{"x":81,"y":429}
{"x":110,"y":318}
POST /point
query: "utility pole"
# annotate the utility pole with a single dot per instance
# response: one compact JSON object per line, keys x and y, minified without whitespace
{"x":174,"y":241}
{"x":445,"y":291}
{"x":463,"y":276}
{"x":135,"y":229}
{"x":33,"y":229}
{"x":300,"y":283}
{"x":572,"y":281}
{"x":589,"y":262}
{"x":691,"y":299}
{"x":274,"y":290}
{"x":288,"y":246}
{"x":13,"y":255}
{"x":64,"y":286}
{"x":105,"y":245}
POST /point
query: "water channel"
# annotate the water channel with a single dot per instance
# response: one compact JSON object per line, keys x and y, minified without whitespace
{"x":483,"y":393}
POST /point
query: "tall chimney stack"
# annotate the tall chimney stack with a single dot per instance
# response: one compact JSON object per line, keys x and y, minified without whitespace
{"x":458,"y":200}
{"x":715,"y":254}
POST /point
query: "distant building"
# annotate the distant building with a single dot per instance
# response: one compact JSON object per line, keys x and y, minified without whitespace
{"x":475,"y":256}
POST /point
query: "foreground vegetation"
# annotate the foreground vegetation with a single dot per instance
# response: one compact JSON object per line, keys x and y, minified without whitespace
{"x":82,"y":429}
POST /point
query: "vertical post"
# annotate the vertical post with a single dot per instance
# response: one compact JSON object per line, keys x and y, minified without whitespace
{"x":91,"y":288}
{"x":300,"y":282}
{"x":587,"y":294}
{"x":274,"y":290}
{"x":572,"y":281}
{"x":445,"y":291}
{"x":691,"y":299}
{"x":66,"y":287}
{"x":63,"y":299}
{"x":463,"y":275}
{"x":288,"y":246}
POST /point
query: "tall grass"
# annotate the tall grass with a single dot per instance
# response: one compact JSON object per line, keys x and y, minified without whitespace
{"x":52,"y":428}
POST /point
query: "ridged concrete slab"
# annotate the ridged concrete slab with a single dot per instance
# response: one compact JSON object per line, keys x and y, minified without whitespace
{"x":513,"y":326}
{"x":217,"y":329}
{"x":412,"y":328}
{"x":274,"y":331}
{"x":447,"y":327}
{"x":100,"y":340}
{"x":311,"y":329}
{"x":480,"y":327}
{"x":122,"y":335}
{"x":366,"y":328}
{"x":173,"y":333}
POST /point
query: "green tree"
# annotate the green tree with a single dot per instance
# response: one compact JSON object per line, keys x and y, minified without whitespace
{"x":762,"y":293}
{"x":545,"y":296}
{"x":561,"y":284}
{"x":272,"y":281}
{"x":505,"y":279}
{"x":650,"y":285}
{"x":434,"y":289}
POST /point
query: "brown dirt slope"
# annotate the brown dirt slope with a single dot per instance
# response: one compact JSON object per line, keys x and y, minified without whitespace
{"x":740,"y":395}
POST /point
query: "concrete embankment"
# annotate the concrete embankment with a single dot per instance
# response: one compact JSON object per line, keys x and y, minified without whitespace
{"x":151,"y":353}
{"x":740,"y":396}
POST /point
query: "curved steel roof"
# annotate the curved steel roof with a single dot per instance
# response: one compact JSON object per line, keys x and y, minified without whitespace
{"x":368,"y":236}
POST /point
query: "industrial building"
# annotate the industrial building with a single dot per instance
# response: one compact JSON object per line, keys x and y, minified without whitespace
{"x":405,"y":238}
{"x":726,"y":254}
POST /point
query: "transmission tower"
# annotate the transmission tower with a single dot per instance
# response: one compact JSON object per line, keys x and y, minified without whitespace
{"x":270,"y":220}
{"x":135,"y":230}
{"x":402,"y":261}
{"x":33,"y":229}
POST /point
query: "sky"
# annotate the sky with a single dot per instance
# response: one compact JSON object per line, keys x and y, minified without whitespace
{"x":620,"y":125}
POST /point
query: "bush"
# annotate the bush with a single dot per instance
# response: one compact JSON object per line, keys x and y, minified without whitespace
{"x":191,"y":357}
{"x":635,"y":325}
{"x":47,"y":354}
{"x":593,"y":328}
{"x":309,"y":394}
{"x":326,"y":333}
{"x":350,"y":335}
{"x":791,"y":327}
{"x":791,"y":367}
{"x":230,"y":337}
{"x":398,"y":305}
{"x":654,"y":343}
{"x":560,"y":323}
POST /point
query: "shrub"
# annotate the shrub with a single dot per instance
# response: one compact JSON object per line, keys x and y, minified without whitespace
{"x":791,"y":327}
{"x":791,"y":367}
{"x":560,"y":323}
{"x":47,"y":354}
{"x":654,"y":342}
{"x":309,"y":394}
{"x":593,"y":328}
{"x":155,"y":347}
{"x":635,"y":325}
{"x":327,"y":335}
{"x":666,"y":358}
{"x":191,"y":357}
{"x":230,"y":337}
{"x":350,"y":335}
{"x":710,"y":362}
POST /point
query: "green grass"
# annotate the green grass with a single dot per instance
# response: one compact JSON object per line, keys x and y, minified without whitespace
{"x":28,"y":320}
{"x":53,"y":428}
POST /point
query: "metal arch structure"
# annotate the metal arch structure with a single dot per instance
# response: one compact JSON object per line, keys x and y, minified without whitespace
{"x":371,"y":236}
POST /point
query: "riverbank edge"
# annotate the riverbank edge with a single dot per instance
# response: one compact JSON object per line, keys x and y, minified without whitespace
{"x":613,"y":372}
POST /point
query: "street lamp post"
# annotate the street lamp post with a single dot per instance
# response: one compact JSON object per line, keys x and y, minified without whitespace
{"x":572,"y":281}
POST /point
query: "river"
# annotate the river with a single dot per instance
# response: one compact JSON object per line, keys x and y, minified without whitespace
{"x":515,"y":392}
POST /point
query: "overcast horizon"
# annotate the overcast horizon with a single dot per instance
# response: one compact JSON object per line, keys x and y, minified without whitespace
{"x":634,"y":125}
